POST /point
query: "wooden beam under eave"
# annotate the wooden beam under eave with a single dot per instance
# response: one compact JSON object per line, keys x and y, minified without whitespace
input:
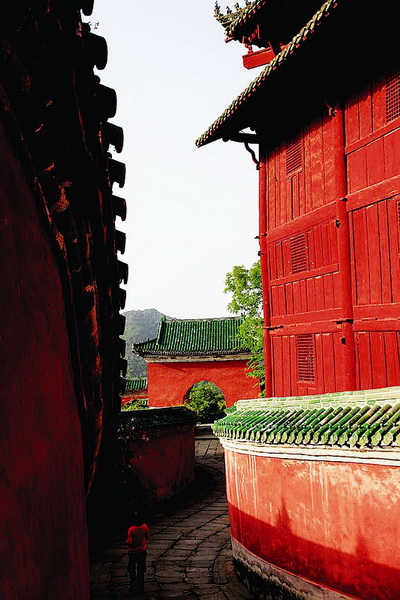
{"x":259,"y":58}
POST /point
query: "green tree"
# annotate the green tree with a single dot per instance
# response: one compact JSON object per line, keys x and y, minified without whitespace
{"x":246,"y":289}
{"x":207,"y":400}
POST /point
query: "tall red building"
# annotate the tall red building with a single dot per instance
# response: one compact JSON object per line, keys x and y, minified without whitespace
{"x":325,"y":112}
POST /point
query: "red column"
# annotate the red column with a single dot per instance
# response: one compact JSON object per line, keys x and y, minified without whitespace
{"x":262,"y":209}
{"x":343,"y":238}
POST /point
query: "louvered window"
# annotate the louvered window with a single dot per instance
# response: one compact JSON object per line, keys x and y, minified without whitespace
{"x":294,"y":154}
{"x":298,"y":253}
{"x":305,"y":357}
{"x":393,"y":94}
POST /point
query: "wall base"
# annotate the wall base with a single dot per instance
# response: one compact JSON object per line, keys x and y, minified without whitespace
{"x":268,"y":582}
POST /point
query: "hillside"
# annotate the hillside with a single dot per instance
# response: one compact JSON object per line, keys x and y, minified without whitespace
{"x":140,"y":326}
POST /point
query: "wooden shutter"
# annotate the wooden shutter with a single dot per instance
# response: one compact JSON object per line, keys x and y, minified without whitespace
{"x":294,"y":154}
{"x":305,"y":357}
{"x":298,"y":253}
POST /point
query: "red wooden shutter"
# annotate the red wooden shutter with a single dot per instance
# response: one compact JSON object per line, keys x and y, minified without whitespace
{"x":294,"y":154}
{"x":305,"y":357}
{"x":393,"y":94}
{"x":298,"y":253}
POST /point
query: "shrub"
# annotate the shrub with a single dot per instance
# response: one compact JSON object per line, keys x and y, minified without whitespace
{"x":207,"y":400}
{"x":137,"y":404}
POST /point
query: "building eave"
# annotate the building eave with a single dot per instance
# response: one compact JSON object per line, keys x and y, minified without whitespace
{"x":197,"y":358}
{"x":236,"y":116}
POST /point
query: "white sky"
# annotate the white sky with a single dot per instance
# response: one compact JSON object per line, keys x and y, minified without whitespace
{"x":192,"y":213}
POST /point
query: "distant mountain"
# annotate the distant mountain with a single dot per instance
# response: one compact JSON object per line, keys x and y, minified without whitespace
{"x":141,"y":325}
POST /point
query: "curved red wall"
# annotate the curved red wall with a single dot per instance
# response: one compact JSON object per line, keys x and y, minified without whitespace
{"x":43,"y":533}
{"x":333,"y":523}
{"x":169,"y":382}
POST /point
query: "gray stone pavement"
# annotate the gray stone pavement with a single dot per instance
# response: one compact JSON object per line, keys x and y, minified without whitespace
{"x":189,"y":552}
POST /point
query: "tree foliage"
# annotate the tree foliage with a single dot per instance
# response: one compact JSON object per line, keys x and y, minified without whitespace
{"x":246,"y":289}
{"x":207,"y":400}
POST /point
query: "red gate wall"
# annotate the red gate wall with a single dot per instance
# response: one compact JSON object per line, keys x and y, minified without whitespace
{"x":170,"y":382}
{"x":330,"y":204}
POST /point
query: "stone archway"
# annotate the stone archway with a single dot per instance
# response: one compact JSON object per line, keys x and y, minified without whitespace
{"x":207,"y":399}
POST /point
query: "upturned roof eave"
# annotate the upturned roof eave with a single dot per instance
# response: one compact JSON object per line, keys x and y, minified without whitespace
{"x":247,"y":13}
{"x":235,"y":116}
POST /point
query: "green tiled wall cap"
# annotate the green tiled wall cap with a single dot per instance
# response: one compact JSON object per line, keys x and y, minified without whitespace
{"x":361,"y":419}
{"x":135,"y":384}
{"x":156,"y":418}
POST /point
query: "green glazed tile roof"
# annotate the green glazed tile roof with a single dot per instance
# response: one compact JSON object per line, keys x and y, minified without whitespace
{"x":135,"y":422}
{"x":194,"y":337}
{"x":213,"y":132}
{"x":136,"y":384}
{"x":361,"y":419}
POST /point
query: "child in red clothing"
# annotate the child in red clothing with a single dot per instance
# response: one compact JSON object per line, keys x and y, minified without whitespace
{"x":138,"y":534}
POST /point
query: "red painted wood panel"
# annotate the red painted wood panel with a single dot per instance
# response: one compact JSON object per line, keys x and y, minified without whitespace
{"x":357,"y":170}
{"x":375,"y":161}
{"x":360,"y":258}
{"x":365,"y":111}
{"x":278,"y":365}
{"x":392,"y":353}
{"x":378,"y":358}
{"x":375,"y":245}
{"x":329,"y":364}
{"x":363,"y":357}
{"x":379,"y":103}
{"x":352,"y":126}
{"x":291,"y":194}
{"x":391,"y":149}
{"x":286,"y":370}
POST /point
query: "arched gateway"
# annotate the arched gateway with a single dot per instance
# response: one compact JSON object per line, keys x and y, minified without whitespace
{"x":187,"y":351}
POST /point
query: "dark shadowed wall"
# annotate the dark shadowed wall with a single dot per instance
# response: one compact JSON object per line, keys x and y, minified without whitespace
{"x":43,"y":533}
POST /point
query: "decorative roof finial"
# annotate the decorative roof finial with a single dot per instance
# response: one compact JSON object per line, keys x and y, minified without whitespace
{"x":230,"y":16}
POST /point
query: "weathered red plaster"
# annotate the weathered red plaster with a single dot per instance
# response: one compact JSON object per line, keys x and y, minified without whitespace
{"x":164,"y":465}
{"x":43,"y":534}
{"x":332,"y":523}
{"x":170,"y":382}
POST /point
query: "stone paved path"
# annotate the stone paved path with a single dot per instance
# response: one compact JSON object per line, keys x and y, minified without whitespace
{"x":189,"y":554}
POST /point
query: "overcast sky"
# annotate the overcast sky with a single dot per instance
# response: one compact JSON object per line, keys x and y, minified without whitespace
{"x":192,"y":213}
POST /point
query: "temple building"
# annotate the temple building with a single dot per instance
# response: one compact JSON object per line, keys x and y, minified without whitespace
{"x":322,"y":453}
{"x":187,"y":351}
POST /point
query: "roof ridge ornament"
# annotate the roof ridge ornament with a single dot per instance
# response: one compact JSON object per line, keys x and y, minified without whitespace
{"x":230,"y":16}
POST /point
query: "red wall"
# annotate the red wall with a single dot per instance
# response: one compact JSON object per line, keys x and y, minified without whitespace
{"x":170,"y":382}
{"x":43,"y":534}
{"x":164,"y":465}
{"x":333,"y":523}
